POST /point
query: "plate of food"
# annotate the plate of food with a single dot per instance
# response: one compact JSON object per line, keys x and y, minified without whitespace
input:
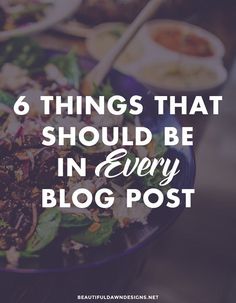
{"x":23,"y":17}
{"x":34,"y":240}
{"x":181,"y":40}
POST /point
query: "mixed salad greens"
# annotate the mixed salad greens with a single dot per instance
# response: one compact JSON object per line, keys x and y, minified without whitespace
{"x":17,"y":13}
{"x":26,"y":229}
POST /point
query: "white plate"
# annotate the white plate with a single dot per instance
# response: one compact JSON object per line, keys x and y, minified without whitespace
{"x":60,"y":10}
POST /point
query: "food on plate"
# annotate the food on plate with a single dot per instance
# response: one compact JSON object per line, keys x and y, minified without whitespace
{"x":26,"y":166}
{"x":17,"y":13}
{"x":182,"y":41}
{"x":173,"y":39}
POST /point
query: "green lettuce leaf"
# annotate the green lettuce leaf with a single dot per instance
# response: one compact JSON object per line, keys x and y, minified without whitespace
{"x":69,"y":67}
{"x":46,"y":231}
{"x":72,"y":221}
{"x":99,"y":237}
{"x":7,"y":99}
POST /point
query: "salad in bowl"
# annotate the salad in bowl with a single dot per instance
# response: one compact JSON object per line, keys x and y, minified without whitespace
{"x":30,"y":234}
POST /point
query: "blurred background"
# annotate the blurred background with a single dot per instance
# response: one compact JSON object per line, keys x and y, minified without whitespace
{"x":194,"y":261}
